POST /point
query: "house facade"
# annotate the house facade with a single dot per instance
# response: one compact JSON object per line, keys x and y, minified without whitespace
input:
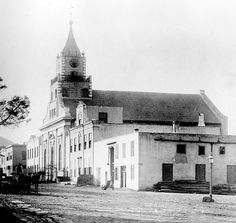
{"x":33,"y":153}
{"x":141,"y":159}
{"x":11,"y":156}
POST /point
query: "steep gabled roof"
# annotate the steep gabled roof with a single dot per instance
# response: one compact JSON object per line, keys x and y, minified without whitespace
{"x":157,"y":107}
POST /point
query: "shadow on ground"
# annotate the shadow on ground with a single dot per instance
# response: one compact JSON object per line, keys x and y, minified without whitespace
{"x":7,"y":216}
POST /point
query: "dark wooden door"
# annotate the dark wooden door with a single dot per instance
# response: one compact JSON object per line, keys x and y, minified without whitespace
{"x":231,"y":174}
{"x":167,"y":172}
{"x":111,"y":160}
{"x":200,"y":174}
{"x":123,"y":176}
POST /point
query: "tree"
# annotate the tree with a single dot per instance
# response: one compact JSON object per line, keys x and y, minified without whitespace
{"x":13,"y":111}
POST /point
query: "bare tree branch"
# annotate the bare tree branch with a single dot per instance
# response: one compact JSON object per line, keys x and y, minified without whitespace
{"x":13,"y":111}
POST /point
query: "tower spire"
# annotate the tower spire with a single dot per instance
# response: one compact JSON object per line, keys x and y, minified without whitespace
{"x":71,"y":48}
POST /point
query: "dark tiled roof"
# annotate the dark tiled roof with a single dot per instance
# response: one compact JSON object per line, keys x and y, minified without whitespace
{"x":158,"y":107}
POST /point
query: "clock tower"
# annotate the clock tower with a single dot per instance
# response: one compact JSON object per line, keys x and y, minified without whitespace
{"x":71,"y":81}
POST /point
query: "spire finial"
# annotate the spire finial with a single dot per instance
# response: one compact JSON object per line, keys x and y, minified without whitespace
{"x":71,"y":23}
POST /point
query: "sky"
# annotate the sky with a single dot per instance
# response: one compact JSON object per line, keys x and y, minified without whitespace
{"x":134,"y":45}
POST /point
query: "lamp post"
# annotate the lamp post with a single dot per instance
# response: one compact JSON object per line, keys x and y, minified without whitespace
{"x":211,"y":161}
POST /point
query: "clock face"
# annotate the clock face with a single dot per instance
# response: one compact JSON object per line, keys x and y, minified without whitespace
{"x":74,"y":62}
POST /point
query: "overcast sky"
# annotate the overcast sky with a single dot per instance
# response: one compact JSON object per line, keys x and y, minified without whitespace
{"x":138,"y":45}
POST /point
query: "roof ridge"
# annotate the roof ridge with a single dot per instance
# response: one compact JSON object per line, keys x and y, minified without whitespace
{"x":146,"y":92}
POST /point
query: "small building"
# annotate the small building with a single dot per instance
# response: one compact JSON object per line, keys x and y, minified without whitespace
{"x":12,"y":155}
{"x":141,"y":159}
{"x":33,"y":149}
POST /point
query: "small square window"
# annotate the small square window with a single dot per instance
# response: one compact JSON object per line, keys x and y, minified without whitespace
{"x":102,"y":116}
{"x":201,"y":150}
{"x":181,"y":148}
{"x":222,"y":150}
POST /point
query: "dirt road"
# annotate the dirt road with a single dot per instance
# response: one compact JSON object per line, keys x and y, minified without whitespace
{"x":68,"y":203}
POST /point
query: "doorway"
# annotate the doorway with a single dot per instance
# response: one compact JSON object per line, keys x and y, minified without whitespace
{"x":111,"y":161}
{"x":98,"y":181}
{"x":167,"y":172}
{"x":231,"y":174}
{"x":200,"y":172}
{"x":123,"y":176}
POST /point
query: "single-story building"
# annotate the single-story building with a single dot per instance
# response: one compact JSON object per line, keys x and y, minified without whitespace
{"x":141,"y":159}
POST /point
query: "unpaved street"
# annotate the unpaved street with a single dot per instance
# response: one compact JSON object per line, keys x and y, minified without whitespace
{"x":68,"y":203}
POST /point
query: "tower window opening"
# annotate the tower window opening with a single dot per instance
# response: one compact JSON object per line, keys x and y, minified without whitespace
{"x":85,"y":92}
{"x":65,"y":92}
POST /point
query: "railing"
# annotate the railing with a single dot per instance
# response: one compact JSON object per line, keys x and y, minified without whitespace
{"x":76,"y":78}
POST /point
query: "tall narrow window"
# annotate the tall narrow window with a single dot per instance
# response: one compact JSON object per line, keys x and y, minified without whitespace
{"x":123,"y":150}
{"x":79,"y":118}
{"x":85,"y":141}
{"x":74,"y":144}
{"x":90,"y":140}
{"x":71,"y":145}
{"x":132,"y":148}
{"x":102,"y":117}
{"x":116,"y":173}
{"x":79,"y":142}
{"x":79,"y":165}
{"x":117,"y":151}
{"x":132,"y":172}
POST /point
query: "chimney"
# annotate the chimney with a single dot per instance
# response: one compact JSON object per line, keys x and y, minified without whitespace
{"x":202,"y":92}
{"x":201,"y":121}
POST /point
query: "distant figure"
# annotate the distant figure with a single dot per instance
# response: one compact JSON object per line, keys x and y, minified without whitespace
{"x":19,"y":169}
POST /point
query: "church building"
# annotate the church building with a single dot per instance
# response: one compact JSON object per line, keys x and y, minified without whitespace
{"x":78,"y":117}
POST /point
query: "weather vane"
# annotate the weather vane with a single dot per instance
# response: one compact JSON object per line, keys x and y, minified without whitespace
{"x":71,"y":13}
